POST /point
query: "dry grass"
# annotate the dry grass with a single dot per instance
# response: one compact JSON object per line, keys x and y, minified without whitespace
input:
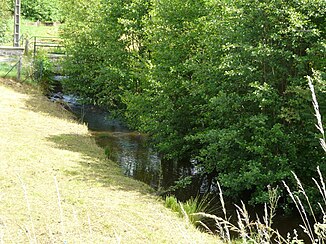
{"x":261,"y":231}
{"x":56,"y":186}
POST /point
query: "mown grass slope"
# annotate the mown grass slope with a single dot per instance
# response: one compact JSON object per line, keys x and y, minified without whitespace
{"x":56,"y":186}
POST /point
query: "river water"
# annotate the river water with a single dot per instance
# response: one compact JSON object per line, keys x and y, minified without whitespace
{"x":130,"y":149}
{"x":138,"y":160}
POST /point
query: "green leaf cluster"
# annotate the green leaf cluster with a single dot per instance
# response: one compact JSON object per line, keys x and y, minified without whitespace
{"x":101,"y":38}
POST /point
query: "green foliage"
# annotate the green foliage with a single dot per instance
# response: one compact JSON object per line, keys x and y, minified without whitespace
{"x":259,"y":125}
{"x":172,"y":203}
{"x":4,"y":15}
{"x":166,"y":106}
{"x":227,"y":87}
{"x":42,"y":10}
{"x":218,"y":83}
{"x":101,"y":39}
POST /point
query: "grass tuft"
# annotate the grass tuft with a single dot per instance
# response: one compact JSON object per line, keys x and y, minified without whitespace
{"x":190,"y":208}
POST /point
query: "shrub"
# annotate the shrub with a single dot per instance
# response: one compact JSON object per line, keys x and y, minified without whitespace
{"x":261,"y":231}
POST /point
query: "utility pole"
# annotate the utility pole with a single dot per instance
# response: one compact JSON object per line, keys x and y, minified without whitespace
{"x":17,"y":34}
{"x":17,"y":23}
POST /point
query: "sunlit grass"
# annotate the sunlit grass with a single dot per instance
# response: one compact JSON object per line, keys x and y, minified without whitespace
{"x":57,"y":186}
{"x":192,"y":206}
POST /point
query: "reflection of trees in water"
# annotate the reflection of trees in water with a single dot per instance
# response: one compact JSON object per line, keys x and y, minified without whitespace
{"x":138,"y":160}
{"x":173,"y":171}
{"x":131,"y":151}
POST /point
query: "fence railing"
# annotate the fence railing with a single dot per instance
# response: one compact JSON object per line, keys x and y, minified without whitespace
{"x":53,"y":45}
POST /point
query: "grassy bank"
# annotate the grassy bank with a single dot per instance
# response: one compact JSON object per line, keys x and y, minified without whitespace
{"x":56,"y":186}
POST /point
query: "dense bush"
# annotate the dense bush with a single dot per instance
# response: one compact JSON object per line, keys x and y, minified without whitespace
{"x":220,"y":84}
{"x":101,"y":46}
{"x":228,"y":89}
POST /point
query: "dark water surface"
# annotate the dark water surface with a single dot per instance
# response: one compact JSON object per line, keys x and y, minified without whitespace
{"x":131,"y":151}
{"x":129,"y":148}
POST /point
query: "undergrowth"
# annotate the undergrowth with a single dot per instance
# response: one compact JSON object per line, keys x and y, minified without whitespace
{"x":261,"y":230}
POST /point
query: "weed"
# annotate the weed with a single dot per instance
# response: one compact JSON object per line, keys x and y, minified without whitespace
{"x":172,"y":203}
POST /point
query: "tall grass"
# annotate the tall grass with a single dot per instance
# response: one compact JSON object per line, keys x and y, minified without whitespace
{"x":260,"y":230}
{"x":249,"y":231}
{"x":190,"y":207}
{"x":316,"y":231}
{"x":319,"y":124}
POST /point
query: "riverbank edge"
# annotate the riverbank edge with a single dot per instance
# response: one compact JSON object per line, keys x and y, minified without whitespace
{"x":57,"y":185}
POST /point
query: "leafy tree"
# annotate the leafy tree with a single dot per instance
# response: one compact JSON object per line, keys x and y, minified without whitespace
{"x":226,"y":86}
{"x":171,"y":40}
{"x":221,"y":84}
{"x":259,"y":124}
{"x":42,"y":10}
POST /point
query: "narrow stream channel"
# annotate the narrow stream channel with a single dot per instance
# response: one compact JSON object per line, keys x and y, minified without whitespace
{"x":138,"y":160}
{"x":130,"y":149}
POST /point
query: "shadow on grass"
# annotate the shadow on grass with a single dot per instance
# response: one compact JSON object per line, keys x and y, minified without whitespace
{"x":36,"y":101}
{"x":41,"y":104}
{"x":95,"y":166}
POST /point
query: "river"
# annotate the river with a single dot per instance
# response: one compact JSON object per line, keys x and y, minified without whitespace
{"x":138,"y":160}
{"x":130,"y":149}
